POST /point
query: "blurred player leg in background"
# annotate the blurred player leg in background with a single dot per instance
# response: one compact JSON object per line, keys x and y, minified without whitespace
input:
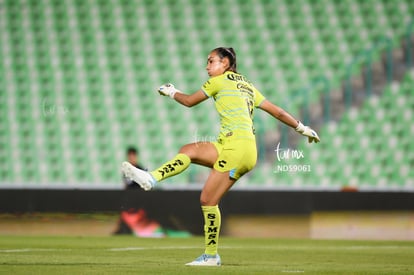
{"x":138,"y":221}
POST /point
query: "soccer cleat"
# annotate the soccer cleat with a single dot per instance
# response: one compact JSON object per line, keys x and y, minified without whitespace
{"x":206,"y":260}
{"x":143,"y":178}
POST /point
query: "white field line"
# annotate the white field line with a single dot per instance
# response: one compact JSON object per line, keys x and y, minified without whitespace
{"x":138,"y":248}
{"x":31,"y":250}
{"x":358,"y":247}
{"x":153,"y":248}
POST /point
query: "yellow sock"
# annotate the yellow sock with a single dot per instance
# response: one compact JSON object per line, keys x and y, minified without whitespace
{"x":212,"y":222}
{"x":171,"y":168}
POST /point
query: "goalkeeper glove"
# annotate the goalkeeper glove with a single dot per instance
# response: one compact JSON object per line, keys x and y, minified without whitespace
{"x":167,"y":90}
{"x":308,"y":132}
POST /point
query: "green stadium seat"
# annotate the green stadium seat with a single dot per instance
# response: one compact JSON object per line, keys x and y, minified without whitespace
{"x":142,"y":47}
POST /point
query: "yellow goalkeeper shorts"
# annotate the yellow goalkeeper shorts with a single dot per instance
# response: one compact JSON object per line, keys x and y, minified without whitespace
{"x":237,"y":156}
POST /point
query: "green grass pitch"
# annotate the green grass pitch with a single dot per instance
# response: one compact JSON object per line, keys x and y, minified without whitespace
{"x":130,"y":255}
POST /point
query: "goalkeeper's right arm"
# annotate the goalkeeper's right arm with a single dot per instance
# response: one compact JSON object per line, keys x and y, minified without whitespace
{"x":288,"y":119}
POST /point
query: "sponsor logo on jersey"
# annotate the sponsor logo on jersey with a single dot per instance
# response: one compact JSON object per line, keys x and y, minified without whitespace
{"x":237,"y":77}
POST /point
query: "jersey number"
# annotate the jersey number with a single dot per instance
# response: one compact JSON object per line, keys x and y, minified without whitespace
{"x":250,"y":107}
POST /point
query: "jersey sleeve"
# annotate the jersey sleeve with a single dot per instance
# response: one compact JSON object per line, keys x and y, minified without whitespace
{"x":212,"y":86}
{"x":258,"y":98}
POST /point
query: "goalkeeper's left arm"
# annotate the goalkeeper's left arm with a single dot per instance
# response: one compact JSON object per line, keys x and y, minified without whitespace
{"x":286,"y":118}
{"x":184,"y":99}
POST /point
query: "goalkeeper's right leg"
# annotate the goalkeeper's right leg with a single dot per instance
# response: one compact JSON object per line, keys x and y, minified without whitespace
{"x":147,"y":180}
{"x":172,"y":167}
{"x":143,"y":178}
{"x":203,"y":153}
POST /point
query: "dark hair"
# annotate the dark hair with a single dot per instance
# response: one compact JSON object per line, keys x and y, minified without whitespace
{"x":132,"y":150}
{"x":230,"y":54}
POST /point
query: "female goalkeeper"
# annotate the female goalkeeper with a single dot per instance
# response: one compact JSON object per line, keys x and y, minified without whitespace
{"x":232,"y":155}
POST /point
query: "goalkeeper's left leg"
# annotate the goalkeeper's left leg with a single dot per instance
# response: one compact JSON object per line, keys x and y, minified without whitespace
{"x":212,"y":224}
{"x":216,"y":186}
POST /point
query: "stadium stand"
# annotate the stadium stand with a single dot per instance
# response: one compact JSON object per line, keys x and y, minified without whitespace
{"x":77,"y":81}
{"x":369,"y":149}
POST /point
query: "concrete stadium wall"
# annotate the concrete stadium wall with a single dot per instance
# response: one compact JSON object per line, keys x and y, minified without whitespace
{"x":235,"y":202}
{"x":353,"y":215}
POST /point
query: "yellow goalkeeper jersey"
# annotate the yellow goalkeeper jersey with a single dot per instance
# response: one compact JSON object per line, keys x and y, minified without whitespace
{"x":235,"y":98}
